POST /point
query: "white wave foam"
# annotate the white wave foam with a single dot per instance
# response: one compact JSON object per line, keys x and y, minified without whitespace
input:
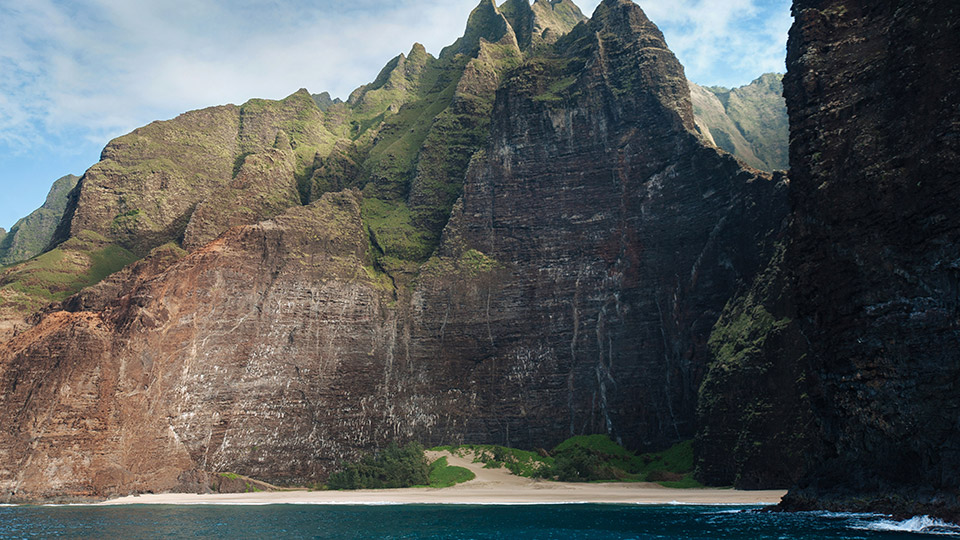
{"x":678,"y":503}
{"x":729,"y":512}
{"x":843,"y":515}
{"x":918,"y":524}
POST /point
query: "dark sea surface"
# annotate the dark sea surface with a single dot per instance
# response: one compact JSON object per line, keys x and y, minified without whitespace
{"x":443,"y":522}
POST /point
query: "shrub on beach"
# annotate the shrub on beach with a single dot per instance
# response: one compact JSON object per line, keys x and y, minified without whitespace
{"x":393,"y":467}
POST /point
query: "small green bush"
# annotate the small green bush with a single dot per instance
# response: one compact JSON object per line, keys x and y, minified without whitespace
{"x":442,"y":474}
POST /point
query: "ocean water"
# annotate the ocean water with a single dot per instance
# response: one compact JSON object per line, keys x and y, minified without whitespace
{"x":452,"y":522}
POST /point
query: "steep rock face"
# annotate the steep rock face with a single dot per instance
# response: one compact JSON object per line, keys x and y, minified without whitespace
{"x":750,"y":122}
{"x":596,"y":241}
{"x":756,"y":428}
{"x":873,"y":90}
{"x":32,"y":234}
{"x":204,"y":368}
{"x":611,"y":241}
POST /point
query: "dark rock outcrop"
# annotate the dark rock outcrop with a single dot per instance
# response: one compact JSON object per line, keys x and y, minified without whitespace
{"x":873,"y":90}
{"x":594,"y":246}
{"x":618,"y":233}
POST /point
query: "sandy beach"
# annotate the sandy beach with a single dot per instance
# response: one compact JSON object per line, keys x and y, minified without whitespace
{"x":491,"y":486}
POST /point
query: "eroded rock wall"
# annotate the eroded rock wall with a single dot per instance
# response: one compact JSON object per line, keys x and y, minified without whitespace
{"x":595,"y":244}
{"x":873,"y":90}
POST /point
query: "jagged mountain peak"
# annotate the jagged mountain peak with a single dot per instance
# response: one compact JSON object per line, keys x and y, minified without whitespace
{"x":300,"y":95}
{"x":57,"y":197}
{"x":624,"y":17}
{"x":418,"y":53}
{"x":325,"y":101}
{"x":400,"y":76}
{"x":619,"y":28}
{"x":486,"y":22}
{"x":541,"y":23}
{"x":557,"y":15}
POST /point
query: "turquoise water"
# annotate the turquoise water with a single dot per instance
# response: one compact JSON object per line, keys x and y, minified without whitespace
{"x":445,"y":522}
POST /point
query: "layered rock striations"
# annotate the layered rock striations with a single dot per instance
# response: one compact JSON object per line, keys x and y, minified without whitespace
{"x":615,"y":244}
{"x":846,"y":350}
{"x":505,"y":244}
{"x":873,"y":90}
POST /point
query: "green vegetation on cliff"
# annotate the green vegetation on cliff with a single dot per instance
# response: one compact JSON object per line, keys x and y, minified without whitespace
{"x":750,"y":122}
{"x":755,"y":425}
{"x":81,"y":261}
{"x":32,"y":234}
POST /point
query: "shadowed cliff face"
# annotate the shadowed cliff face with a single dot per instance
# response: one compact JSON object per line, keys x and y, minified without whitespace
{"x":619,"y":238}
{"x":873,"y":91}
{"x":594,"y":245}
{"x":839,"y":369}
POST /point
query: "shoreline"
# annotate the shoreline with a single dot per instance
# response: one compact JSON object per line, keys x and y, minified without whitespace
{"x":489,"y":487}
{"x":538,"y":493}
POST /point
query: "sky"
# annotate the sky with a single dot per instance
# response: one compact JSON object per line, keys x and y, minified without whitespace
{"x":74,"y":74}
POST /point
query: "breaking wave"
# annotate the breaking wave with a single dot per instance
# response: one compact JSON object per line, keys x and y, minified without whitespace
{"x":918,"y":524}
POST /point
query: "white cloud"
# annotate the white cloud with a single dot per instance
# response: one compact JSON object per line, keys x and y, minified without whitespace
{"x":726,"y":43}
{"x":109,"y":66}
{"x":103,"y":67}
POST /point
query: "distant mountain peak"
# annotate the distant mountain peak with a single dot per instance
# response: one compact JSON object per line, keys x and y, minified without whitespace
{"x":543,"y":22}
{"x":32,"y":234}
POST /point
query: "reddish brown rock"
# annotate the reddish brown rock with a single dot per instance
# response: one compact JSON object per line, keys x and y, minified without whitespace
{"x":234,"y":359}
{"x":594,"y":246}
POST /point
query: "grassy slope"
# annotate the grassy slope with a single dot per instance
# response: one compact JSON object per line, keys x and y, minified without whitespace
{"x":671,"y":468}
{"x":406,"y":140}
{"x":443,"y":475}
{"x":144,"y":191}
{"x":82,"y":261}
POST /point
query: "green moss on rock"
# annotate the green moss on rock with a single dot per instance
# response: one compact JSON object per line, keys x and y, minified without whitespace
{"x":755,"y":427}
